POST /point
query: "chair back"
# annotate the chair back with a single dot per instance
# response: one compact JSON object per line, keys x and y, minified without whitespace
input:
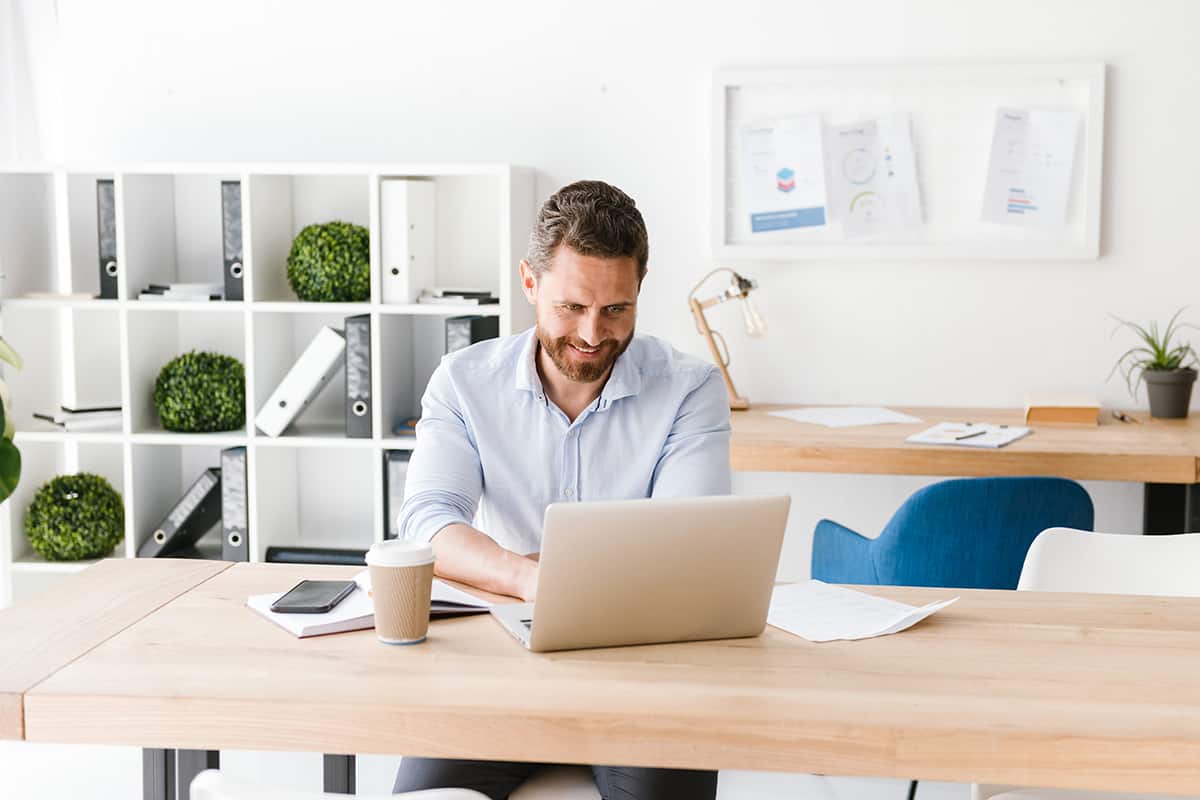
{"x":212,"y":784}
{"x":1066,"y":560}
{"x":973,"y":533}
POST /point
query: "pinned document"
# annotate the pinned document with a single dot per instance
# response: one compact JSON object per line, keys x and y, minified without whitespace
{"x":783,"y":174}
{"x":1029,"y":174}
{"x":873,"y":176}
{"x":821,"y":612}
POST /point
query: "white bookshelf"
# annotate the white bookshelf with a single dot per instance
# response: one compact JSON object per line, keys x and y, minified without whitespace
{"x":312,"y":486}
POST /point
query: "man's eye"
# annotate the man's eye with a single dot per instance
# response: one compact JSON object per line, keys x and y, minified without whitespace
{"x":572,"y":307}
{"x":615,"y":309}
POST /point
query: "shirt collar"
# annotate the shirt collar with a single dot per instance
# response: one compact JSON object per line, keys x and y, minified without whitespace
{"x":625,"y":380}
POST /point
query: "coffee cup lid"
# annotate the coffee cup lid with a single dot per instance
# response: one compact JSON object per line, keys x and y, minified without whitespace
{"x":400,"y":553}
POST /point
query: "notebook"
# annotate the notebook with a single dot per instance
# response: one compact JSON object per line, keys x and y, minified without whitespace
{"x":968,"y":434}
{"x":357,"y":611}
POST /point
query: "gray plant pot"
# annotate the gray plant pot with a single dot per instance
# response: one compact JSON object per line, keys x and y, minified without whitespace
{"x":1170,"y":391}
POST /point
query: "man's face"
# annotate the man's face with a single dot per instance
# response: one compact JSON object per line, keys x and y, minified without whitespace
{"x":586,"y":309}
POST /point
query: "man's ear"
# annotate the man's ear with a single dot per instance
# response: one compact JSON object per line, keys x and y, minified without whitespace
{"x":528,"y":282}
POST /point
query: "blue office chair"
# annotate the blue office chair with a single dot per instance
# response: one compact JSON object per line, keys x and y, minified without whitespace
{"x":970,"y":533}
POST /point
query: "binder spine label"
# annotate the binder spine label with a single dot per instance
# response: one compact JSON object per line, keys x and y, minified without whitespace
{"x":231,"y":238}
{"x":106,"y":232}
{"x":358,"y":377}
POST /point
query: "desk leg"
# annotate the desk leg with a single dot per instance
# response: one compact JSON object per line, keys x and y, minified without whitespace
{"x":339,"y":774}
{"x":168,"y":774}
{"x":1171,"y":508}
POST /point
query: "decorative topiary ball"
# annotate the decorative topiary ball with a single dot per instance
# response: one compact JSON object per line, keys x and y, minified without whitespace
{"x":331,"y":263}
{"x":201,"y":393}
{"x":74,"y":517}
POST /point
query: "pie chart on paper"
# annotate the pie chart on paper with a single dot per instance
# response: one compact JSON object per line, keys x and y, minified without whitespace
{"x":858,"y":166}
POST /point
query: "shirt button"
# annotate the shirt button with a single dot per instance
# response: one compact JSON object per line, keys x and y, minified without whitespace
{"x":568,"y":492}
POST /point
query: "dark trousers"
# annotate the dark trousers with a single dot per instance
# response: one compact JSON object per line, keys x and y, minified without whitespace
{"x":497,"y":779}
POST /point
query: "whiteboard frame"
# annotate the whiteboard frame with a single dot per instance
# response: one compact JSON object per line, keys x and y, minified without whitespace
{"x":1091,"y":74}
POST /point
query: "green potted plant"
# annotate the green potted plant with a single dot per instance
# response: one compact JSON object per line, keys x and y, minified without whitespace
{"x":1167,"y":366}
{"x":73,"y":517}
{"x":330,"y":263}
{"x":10,"y":457}
{"x":201,"y":392}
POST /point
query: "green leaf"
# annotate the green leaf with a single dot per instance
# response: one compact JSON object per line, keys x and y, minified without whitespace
{"x":10,"y":468}
{"x":10,"y":355}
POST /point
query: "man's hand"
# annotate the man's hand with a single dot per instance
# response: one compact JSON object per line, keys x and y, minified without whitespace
{"x":529,"y":581}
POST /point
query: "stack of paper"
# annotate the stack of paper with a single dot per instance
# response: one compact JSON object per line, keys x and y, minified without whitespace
{"x":821,"y":612}
{"x":844,"y":417}
{"x":357,"y":611}
{"x":970,"y":434}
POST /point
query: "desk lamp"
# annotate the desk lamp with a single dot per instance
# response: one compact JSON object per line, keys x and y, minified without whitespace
{"x":738,"y":289}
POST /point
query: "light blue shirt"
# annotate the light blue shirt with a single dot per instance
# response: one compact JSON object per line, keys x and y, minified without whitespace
{"x":493,"y":451}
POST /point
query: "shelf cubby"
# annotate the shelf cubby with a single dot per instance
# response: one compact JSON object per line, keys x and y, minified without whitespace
{"x":172,"y":229}
{"x":28,"y":246}
{"x":161,"y":474}
{"x":283,"y":205}
{"x":468,"y":214}
{"x":83,"y":242}
{"x":315,"y":497}
{"x":69,"y":360}
{"x":42,"y":461}
{"x":156,"y":336}
{"x":412,"y":347}
{"x":280,"y":339}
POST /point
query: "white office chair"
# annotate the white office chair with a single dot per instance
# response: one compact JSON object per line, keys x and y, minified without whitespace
{"x":1067,"y":560}
{"x":552,"y":783}
{"x":558,"y":783}
{"x":212,"y":784}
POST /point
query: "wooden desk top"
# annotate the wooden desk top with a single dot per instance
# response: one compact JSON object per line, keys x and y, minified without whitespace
{"x":1157,"y":451}
{"x":1086,"y":691}
{"x":80,"y":612}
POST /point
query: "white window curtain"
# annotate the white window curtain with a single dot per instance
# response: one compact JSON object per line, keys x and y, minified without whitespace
{"x":30,"y":81}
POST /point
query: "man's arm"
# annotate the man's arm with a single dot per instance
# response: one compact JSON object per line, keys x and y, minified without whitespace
{"x":442,"y":490}
{"x":695,"y":457}
{"x":468,"y":555}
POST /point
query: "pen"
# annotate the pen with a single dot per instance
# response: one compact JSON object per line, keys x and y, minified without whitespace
{"x":970,"y":435}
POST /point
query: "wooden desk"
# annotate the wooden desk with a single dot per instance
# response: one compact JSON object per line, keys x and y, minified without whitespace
{"x":1086,"y":691}
{"x":39,"y":638}
{"x":1163,"y":454}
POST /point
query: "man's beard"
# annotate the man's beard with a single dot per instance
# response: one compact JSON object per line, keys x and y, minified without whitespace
{"x":561,"y":353}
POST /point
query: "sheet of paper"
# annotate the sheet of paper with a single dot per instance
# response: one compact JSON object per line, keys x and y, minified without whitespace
{"x":821,"y":612}
{"x":783,"y":173}
{"x":844,"y":417}
{"x":873,"y":176}
{"x":970,"y":434}
{"x":1029,"y":172}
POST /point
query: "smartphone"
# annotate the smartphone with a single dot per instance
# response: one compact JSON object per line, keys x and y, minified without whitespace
{"x":313,"y":597}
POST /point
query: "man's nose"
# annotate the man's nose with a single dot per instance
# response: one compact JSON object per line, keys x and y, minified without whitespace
{"x":589,"y":330}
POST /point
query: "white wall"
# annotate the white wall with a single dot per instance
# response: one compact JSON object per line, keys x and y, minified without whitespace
{"x":619,"y":91}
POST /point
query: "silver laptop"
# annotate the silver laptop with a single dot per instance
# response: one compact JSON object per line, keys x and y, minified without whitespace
{"x":645,"y":571}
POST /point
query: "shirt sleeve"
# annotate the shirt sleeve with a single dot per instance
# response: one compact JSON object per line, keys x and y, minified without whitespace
{"x":695,"y":458}
{"x":445,"y":476}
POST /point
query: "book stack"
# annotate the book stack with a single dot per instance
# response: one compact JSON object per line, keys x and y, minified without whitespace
{"x":188,"y":292}
{"x":458,"y":297}
{"x":84,"y":418}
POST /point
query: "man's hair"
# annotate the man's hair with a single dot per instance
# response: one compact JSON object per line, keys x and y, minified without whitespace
{"x":593,"y":219}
